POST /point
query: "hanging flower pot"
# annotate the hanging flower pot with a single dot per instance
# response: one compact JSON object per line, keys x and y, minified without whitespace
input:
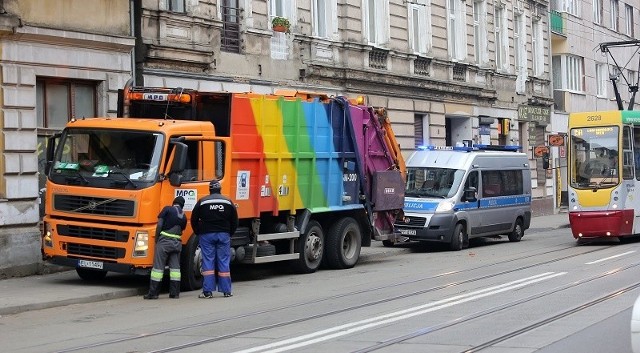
{"x":280,"y":24}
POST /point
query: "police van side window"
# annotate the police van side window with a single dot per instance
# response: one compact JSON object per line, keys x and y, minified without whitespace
{"x":471,"y":182}
{"x":502,"y":183}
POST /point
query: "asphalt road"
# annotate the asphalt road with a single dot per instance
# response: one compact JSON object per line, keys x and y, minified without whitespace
{"x":543,"y":294}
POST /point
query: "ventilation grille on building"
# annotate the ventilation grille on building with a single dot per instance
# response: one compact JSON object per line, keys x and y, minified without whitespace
{"x":459,"y":72}
{"x":378,"y":59}
{"x":421,"y":66}
{"x":230,"y":39}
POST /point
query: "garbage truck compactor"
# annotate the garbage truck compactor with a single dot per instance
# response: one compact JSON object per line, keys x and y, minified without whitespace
{"x":313,"y":178}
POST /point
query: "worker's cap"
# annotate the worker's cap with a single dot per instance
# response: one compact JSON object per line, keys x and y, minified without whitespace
{"x":179,"y":201}
{"x":215,"y":187}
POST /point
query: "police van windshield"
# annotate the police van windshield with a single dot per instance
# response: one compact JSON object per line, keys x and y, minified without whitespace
{"x":433,"y":182}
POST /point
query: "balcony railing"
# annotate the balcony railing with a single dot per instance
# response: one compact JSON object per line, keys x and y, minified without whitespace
{"x":557,"y":22}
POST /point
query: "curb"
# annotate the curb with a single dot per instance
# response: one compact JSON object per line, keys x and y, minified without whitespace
{"x":16,"y":309}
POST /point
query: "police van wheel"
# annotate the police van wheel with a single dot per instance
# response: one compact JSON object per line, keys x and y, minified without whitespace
{"x":91,"y":275}
{"x":517,"y":232}
{"x":311,"y":248}
{"x":457,"y":239}
{"x":191,"y":265}
{"x":344,"y":243}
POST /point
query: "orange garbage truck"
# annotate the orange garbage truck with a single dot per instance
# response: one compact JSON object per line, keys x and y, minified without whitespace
{"x":314,"y":179}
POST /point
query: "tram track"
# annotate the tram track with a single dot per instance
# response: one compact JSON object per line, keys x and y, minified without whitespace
{"x":484,"y":313}
{"x":268,"y":311}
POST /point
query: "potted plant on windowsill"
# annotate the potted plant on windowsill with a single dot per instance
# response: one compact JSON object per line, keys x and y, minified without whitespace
{"x":280,"y":24}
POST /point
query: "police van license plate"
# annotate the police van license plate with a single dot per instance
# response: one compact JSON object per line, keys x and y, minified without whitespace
{"x":408,"y":231}
{"x":91,"y":264}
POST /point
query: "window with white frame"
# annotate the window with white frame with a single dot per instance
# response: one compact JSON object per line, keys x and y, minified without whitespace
{"x":175,"y":5}
{"x":420,"y":26}
{"x":376,"y":21}
{"x":502,"y":39}
{"x":480,"y":31}
{"x":283,"y":8}
{"x":628,"y":14}
{"x":597,"y":11}
{"x":520,"y":51}
{"x":571,"y":72}
{"x":573,"y":7}
{"x":537,"y":48}
{"x":279,"y":41}
{"x":602,"y":79}
{"x":614,"y":15}
{"x":457,"y":29}
{"x":325,"y":17}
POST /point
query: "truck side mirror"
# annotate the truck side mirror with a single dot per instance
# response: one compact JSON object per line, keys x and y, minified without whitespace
{"x":179,"y":163}
{"x":470,"y":194}
{"x":51,"y":149}
{"x":179,"y":158}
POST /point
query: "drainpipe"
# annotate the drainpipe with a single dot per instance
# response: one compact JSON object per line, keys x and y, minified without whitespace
{"x":132,"y":29}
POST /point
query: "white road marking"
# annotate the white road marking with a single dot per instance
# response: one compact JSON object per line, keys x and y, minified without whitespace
{"x":609,"y":258}
{"x":352,"y":327}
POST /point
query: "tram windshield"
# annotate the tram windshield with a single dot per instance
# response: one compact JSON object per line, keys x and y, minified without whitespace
{"x":594,"y":157}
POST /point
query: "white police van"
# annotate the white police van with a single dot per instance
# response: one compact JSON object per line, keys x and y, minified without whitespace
{"x":457,"y":193}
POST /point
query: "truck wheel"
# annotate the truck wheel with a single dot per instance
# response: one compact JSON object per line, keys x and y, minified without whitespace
{"x":517,"y":232}
{"x":191,"y":265}
{"x":91,"y":275}
{"x":344,"y":242}
{"x":457,"y":238}
{"x":310,"y":246}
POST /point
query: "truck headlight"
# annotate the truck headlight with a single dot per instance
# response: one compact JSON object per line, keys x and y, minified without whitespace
{"x":445,"y":206}
{"x":46,"y":237}
{"x":141,"y":244}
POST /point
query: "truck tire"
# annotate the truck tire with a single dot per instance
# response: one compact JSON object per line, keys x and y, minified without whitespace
{"x":191,"y":265}
{"x":344,"y":242}
{"x":311,"y":248}
{"x":91,"y":275}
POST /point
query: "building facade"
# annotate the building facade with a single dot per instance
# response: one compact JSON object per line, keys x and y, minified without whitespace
{"x":448,"y":72}
{"x":581,"y":71}
{"x":59,"y":59}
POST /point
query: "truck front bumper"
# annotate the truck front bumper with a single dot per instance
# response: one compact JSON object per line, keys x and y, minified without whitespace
{"x":106,"y":266}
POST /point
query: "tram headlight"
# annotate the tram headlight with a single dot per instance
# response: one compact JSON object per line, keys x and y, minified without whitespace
{"x":614,"y":206}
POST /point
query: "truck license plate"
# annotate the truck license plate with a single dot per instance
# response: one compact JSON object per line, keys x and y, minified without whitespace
{"x":408,"y":231}
{"x":91,"y":264}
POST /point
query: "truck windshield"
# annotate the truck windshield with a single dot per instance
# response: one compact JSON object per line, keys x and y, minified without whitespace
{"x":433,"y":182}
{"x":107,"y":158}
{"x":594,"y":157}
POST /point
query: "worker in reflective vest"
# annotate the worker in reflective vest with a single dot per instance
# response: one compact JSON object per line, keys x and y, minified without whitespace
{"x":171,"y":223}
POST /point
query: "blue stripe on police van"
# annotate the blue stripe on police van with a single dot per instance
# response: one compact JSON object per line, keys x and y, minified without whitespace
{"x":502,"y":201}
{"x":417,"y":205}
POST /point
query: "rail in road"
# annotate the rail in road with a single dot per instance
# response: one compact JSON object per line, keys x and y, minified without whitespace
{"x":550,"y":256}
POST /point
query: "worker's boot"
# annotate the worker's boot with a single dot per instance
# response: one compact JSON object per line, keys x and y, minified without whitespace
{"x":174,"y":289}
{"x":154,"y":289}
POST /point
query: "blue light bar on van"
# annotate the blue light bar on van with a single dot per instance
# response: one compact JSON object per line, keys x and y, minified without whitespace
{"x":498,"y":148}
{"x":435,"y":148}
{"x":469,"y":149}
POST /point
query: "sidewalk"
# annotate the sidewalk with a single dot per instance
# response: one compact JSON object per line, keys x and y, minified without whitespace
{"x":64,"y":288}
